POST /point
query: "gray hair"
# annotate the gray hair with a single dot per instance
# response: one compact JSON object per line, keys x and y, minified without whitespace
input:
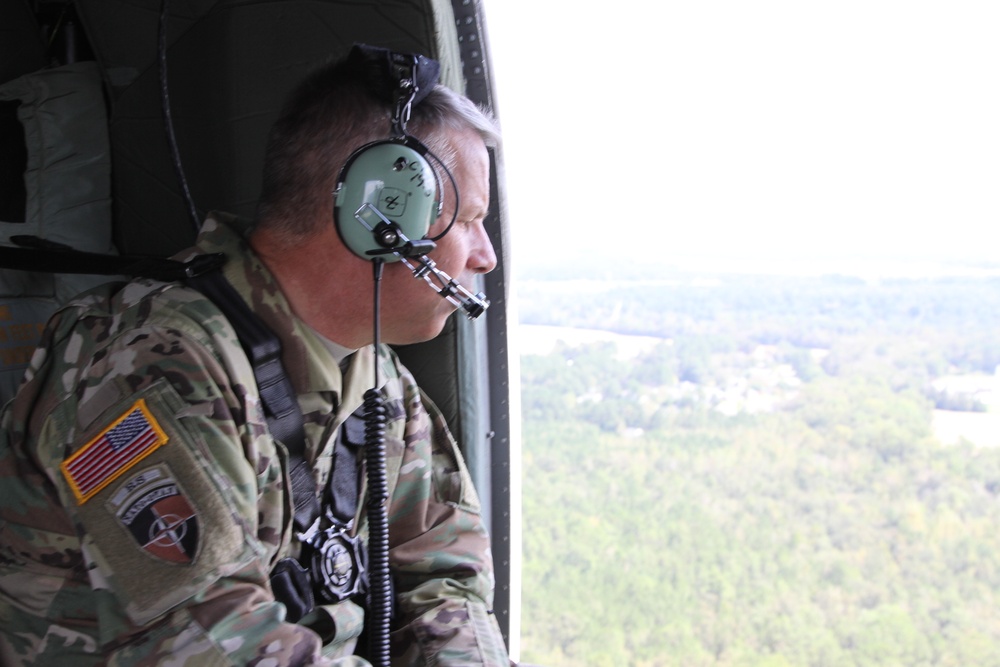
{"x":443,"y":109}
{"x":326,"y":119}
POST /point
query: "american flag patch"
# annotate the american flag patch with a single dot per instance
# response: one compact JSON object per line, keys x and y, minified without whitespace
{"x":130,"y":438}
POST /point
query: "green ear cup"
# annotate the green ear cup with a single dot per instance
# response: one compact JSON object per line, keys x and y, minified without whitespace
{"x":395,"y":178}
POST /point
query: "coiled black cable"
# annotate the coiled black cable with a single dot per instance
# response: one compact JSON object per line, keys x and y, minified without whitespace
{"x":380,"y":587}
{"x":380,"y":590}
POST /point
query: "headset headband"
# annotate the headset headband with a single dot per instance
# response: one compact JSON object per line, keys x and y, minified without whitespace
{"x":399,"y":79}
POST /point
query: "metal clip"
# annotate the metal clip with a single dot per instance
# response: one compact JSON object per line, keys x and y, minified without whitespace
{"x":406,"y":92}
{"x":311,"y":534}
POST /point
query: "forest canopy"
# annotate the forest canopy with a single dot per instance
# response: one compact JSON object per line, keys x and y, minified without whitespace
{"x":764,"y":487}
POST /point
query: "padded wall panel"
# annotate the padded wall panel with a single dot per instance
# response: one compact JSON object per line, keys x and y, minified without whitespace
{"x":230,"y":64}
{"x":68,"y":200}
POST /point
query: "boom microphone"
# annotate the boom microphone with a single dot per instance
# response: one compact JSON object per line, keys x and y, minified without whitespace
{"x":414,"y":255}
{"x":474,"y":305}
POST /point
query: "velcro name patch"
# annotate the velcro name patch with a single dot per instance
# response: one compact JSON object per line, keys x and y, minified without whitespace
{"x":128,"y":440}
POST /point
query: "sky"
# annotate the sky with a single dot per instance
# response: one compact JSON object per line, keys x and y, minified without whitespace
{"x":766,"y":131}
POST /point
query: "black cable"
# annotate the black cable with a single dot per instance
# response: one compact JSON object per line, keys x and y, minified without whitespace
{"x":378,"y":264}
{"x":168,"y":118}
{"x":380,"y":588}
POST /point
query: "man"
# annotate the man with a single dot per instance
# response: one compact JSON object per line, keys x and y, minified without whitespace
{"x":146,"y":508}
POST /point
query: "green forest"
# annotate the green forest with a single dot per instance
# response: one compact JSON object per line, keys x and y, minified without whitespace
{"x":764,"y":488}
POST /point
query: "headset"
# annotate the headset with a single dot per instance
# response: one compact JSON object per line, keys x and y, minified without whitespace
{"x":388,"y":193}
{"x":387,"y":196}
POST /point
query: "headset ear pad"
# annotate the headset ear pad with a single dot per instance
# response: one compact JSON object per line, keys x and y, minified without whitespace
{"x":395,"y":178}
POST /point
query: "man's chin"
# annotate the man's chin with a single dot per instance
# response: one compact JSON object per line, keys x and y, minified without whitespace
{"x":423,"y":332}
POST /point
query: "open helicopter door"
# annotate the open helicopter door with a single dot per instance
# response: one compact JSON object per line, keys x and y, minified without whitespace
{"x":227,"y":65}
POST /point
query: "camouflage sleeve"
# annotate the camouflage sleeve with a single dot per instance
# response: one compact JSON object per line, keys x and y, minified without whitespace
{"x":439,"y":551}
{"x":175,"y":488}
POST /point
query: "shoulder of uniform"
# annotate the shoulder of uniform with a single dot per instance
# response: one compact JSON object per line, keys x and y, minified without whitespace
{"x":96,"y":318}
{"x":146,"y":301}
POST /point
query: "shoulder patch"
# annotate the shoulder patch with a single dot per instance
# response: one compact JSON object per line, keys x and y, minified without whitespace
{"x":158,"y":515}
{"x":129,"y":439}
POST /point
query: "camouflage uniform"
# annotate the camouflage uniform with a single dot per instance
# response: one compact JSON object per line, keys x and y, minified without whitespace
{"x":143,"y":502}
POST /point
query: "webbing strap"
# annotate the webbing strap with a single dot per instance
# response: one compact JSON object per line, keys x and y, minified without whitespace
{"x":342,"y":489}
{"x":58,"y":260}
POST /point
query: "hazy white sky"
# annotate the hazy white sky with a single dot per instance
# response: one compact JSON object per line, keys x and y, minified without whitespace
{"x":779,"y":128}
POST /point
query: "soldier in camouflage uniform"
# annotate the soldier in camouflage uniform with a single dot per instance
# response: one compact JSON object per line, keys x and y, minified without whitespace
{"x":143,"y":501}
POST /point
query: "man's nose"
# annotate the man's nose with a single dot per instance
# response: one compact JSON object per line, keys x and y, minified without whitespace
{"x":482,"y":257}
